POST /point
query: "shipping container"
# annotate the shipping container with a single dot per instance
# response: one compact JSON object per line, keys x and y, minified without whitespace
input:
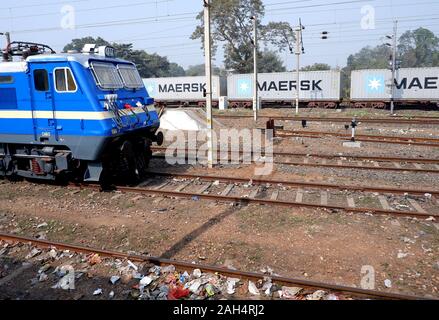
{"x":315,"y":86}
{"x":183,"y":90}
{"x":411,"y":85}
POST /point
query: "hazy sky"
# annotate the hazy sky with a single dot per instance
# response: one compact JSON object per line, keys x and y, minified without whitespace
{"x":164,"y":26}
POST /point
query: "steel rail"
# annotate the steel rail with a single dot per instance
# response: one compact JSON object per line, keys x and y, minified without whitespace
{"x":358,"y":167}
{"x":424,"y":121}
{"x":187,"y":266}
{"x":315,"y":155}
{"x":256,"y":180}
{"x":325,"y":165}
{"x":416,"y":117}
{"x":365,"y":136}
{"x":285,"y":133}
{"x":369,"y":158}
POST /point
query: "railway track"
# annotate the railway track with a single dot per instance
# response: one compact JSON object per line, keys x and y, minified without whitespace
{"x":333,"y":198}
{"x":413,"y":121}
{"x":416,"y":141}
{"x":347,"y":292}
{"x":420,"y":165}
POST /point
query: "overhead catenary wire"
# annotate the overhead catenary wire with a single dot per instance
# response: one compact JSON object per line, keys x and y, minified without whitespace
{"x":348,"y":26}
{"x":143,"y":3}
{"x":54,"y":3}
{"x":156,"y":19}
{"x":295,"y":11}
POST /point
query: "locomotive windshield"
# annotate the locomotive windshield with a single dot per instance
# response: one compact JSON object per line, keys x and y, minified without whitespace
{"x":130,"y":76}
{"x":106,"y":76}
{"x":110,"y":77}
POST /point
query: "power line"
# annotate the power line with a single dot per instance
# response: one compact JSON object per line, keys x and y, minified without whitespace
{"x":89,"y":9}
{"x":43,"y":4}
{"x":183,"y":16}
{"x":157,"y":19}
{"x":321,"y":5}
{"x":190,"y":15}
{"x":378,"y":21}
{"x":347,"y":9}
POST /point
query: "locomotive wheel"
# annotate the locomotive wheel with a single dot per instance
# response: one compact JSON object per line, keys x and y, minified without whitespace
{"x":129,"y":164}
{"x":2,"y":170}
{"x":134,"y":158}
{"x":143,"y":155}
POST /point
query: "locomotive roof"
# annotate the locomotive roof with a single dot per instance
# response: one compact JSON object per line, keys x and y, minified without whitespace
{"x":83,"y":59}
{"x":76,"y":57}
{"x":7,"y":67}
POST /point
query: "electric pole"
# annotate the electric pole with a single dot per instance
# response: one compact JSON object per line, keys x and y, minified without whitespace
{"x":392,"y":88}
{"x":207,"y":54}
{"x":255,"y":69}
{"x":299,"y":51}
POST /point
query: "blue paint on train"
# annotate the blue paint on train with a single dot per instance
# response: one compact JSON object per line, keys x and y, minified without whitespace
{"x":78,"y":103}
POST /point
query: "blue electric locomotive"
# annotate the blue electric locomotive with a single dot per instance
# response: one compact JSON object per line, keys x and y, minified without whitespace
{"x":82,"y":115}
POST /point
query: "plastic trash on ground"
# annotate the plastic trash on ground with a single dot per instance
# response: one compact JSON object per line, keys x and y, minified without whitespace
{"x":253,"y":289}
{"x":290,"y":292}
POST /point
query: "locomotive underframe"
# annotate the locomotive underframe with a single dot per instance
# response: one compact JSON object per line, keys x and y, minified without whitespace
{"x":123,"y":158}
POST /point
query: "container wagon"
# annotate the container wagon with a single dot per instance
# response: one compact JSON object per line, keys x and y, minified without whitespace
{"x":184,"y":91}
{"x":317,"y":89}
{"x":413,"y":86}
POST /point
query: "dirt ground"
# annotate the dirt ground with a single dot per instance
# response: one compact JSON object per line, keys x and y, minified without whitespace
{"x":321,"y":245}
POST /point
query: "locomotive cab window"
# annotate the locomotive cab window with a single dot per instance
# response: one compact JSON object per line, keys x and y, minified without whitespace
{"x":64,"y":81}
{"x":6,"y":79}
{"x":130,"y":76}
{"x":41,"y":80}
{"x":106,"y":76}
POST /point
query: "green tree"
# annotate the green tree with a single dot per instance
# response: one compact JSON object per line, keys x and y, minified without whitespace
{"x":196,"y":70}
{"x":269,"y":61}
{"x":200,"y":70}
{"x":232,"y":29}
{"x":316,"y":67}
{"x":149,"y":65}
{"x":418,"y":48}
{"x":176,"y":70}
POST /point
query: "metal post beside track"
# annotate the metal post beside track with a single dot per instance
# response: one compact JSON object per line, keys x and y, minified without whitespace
{"x":208,"y":57}
{"x":298,"y":32}
{"x":255,"y":69}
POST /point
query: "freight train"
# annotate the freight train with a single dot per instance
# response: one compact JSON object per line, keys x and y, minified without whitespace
{"x":368,"y":88}
{"x":83,"y":116}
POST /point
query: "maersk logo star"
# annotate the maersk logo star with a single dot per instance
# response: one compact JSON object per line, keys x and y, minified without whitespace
{"x":244,"y":87}
{"x":375,"y":84}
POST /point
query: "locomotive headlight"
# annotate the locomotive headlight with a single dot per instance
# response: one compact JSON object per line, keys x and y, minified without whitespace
{"x":114,"y":131}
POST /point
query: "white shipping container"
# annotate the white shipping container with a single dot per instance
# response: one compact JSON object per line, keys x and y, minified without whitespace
{"x":183,"y":88}
{"x":281,"y":86}
{"x":412,"y":84}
